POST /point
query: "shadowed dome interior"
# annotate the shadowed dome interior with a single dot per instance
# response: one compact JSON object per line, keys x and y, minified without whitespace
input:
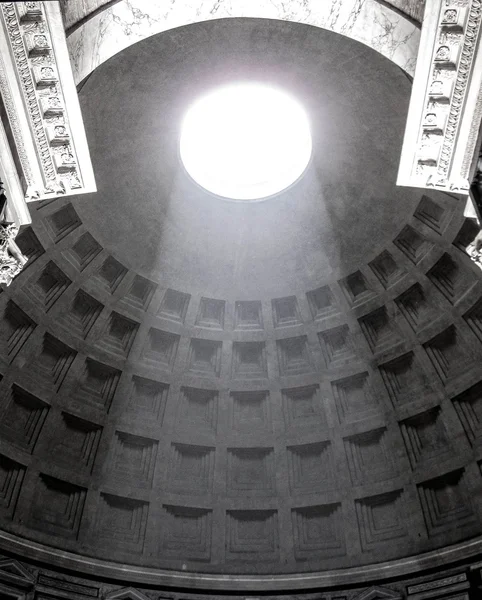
{"x":275,"y":387}
{"x":340,"y":213}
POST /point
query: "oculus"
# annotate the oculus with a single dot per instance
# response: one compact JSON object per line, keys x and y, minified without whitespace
{"x":245,"y":141}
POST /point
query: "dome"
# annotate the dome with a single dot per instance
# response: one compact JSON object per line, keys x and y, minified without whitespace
{"x":291,"y":386}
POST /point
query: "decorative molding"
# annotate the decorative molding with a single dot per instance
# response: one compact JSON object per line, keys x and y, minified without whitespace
{"x":12,"y":260}
{"x":445,"y":585}
{"x":445,"y":115}
{"x":23,"y":580}
{"x":475,"y":254}
{"x":144,"y":576}
{"x":40,"y":98}
{"x":378,"y":593}
{"x":14,"y":573}
{"x":127,"y":593}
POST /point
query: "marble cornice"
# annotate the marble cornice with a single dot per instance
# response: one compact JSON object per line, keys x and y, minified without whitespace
{"x":41,"y":103}
{"x":445,"y":114}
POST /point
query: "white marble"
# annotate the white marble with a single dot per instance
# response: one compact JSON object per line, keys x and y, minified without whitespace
{"x":75,"y":10}
{"x":130,"y":21}
{"x":445,"y":111}
{"x":413,"y":8}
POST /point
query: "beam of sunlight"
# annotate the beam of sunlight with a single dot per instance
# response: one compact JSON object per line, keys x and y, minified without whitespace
{"x":245,"y":141}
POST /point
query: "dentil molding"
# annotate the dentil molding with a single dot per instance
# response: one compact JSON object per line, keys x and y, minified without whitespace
{"x":444,"y":118}
{"x":42,"y":121}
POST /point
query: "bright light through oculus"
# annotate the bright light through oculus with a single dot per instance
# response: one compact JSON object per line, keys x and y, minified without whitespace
{"x":245,"y":141}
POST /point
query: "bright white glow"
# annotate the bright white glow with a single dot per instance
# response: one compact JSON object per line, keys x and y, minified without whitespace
{"x":245,"y":141}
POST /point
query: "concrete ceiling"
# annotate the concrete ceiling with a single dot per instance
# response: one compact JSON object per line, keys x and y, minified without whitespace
{"x":278,"y":387}
{"x":339,"y":216}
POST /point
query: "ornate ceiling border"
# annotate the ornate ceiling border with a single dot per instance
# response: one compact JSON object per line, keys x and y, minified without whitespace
{"x":41,"y":103}
{"x":57,"y":558}
{"x":445,"y":114}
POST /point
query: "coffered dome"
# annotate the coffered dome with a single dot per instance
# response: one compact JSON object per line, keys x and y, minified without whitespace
{"x":288,"y":386}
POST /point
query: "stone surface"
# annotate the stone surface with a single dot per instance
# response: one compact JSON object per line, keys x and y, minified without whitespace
{"x":19,"y":576}
{"x":311,"y":416}
{"x":441,"y":144}
{"x":76,"y":12}
{"x":44,"y":131}
{"x":129,"y":21}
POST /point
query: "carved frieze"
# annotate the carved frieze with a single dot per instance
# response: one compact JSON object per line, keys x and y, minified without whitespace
{"x":475,"y":254}
{"x":445,"y":112}
{"x":12,"y":260}
{"x":41,"y":103}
